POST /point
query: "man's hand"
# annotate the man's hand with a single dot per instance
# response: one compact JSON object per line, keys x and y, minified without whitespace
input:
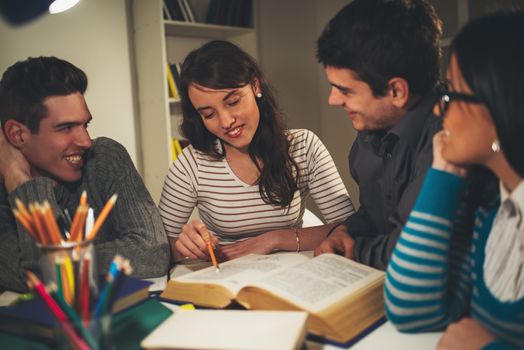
{"x":14,"y":167}
{"x":338,"y":242}
{"x":465,"y":334}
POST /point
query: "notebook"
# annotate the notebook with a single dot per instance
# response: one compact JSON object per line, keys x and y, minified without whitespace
{"x":229,"y":329}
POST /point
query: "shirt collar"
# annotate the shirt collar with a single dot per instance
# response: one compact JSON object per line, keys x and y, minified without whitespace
{"x":409,"y":128}
{"x":515,"y":199}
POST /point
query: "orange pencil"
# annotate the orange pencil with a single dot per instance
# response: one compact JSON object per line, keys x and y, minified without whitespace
{"x":207,"y":239}
{"x":39,"y":225}
{"x":102,"y":216}
{"x":83,"y":198}
{"x":22,"y":219}
{"x":50,"y":223}
{"x":23,"y":210}
{"x":78,"y":223}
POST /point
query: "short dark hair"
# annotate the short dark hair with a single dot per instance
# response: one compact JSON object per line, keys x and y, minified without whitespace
{"x":220,"y":64}
{"x":382,"y":39}
{"x":26,"y":84}
{"x":490,"y":55}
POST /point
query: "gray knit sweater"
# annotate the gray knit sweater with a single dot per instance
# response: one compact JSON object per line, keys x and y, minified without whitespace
{"x":132,"y":229}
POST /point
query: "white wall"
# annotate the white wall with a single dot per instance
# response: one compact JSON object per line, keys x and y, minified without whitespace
{"x":288,"y":31}
{"x":336,"y":129}
{"x":93,"y":35}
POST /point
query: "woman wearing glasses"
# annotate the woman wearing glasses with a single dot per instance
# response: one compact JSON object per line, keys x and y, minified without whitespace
{"x":459,"y":263}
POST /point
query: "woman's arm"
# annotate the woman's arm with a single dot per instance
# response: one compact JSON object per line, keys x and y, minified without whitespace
{"x":420,"y":292}
{"x":178,"y":199}
{"x":293,"y":240}
{"x":323,"y":179}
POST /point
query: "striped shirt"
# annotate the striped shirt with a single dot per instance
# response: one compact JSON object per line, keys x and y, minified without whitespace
{"x":233,"y":210}
{"x":436,"y":273}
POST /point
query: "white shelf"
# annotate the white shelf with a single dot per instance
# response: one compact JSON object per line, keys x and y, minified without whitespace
{"x":203,"y":30}
{"x":158,"y":42}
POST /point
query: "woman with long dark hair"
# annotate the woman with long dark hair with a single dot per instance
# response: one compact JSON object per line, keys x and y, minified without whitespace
{"x":247,"y":175}
{"x":459,"y":263}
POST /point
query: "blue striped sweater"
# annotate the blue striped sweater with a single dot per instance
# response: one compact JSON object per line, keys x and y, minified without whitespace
{"x":435,"y":275}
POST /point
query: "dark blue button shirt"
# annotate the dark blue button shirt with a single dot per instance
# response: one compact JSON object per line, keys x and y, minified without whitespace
{"x":389,"y":168}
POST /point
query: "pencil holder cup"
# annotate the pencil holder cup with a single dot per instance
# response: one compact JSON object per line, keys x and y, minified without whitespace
{"x":102,"y":332}
{"x":71,"y":267}
{"x":95,"y":334}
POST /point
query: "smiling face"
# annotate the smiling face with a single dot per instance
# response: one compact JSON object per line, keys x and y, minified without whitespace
{"x":468,"y":128}
{"x":366,"y":111}
{"x":57,"y":149}
{"x":232,"y":115}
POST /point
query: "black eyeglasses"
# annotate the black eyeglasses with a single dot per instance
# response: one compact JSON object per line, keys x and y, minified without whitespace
{"x":445,"y":97}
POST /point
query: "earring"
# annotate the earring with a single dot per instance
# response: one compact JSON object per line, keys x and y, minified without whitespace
{"x":495,"y":146}
{"x":259,"y":95}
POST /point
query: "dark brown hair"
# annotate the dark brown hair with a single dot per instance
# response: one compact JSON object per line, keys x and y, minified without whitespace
{"x":222,"y":65}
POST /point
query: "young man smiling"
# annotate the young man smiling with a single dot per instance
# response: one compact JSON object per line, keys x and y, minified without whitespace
{"x":381,"y":58}
{"x":46,"y":153}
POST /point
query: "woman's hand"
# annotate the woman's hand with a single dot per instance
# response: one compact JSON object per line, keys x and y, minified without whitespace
{"x":465,"y":334}
{"x":262,"y":244}
{"x":439,"y":162}
{"x":191,"y":244}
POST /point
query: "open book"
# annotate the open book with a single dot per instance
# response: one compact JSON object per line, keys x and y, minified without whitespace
{"x":342,"y":297}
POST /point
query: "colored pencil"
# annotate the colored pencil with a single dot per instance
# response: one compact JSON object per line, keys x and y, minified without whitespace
{"x":101,"y":217}
{"x":103,"y":299}
{"x":85,"y":289}
{"x":75,"y":319}
{"x":34,"y":283}
{"x":25,"y":223}
{"x":211,"y":251}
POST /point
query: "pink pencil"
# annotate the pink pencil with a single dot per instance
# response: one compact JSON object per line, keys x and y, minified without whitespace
{"x":34,"y":283}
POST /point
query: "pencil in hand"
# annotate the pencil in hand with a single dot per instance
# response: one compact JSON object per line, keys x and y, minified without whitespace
{"x":211,"y":250}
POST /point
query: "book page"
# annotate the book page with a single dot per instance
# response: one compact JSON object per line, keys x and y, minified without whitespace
{"x":235,"y":274}
{"x":320,"y":282}
{"x":8,"y":298}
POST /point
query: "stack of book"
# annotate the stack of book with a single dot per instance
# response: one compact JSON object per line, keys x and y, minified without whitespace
{"x":237,"y":13}
{"x":178,"y":10}
{"x":173,"y":80}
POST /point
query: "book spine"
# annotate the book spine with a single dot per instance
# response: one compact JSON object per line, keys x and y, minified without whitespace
{"x":174,"y":10}
{"x":175,"y":69}
{"x":165,"y":11}
{"x":171,"y":83}
{"x":189,"y":11}
{"x":180,"y":5}
{"x":212,"y":12}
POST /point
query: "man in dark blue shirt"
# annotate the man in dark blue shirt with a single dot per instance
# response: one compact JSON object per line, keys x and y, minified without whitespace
{"x":382,"y":60}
